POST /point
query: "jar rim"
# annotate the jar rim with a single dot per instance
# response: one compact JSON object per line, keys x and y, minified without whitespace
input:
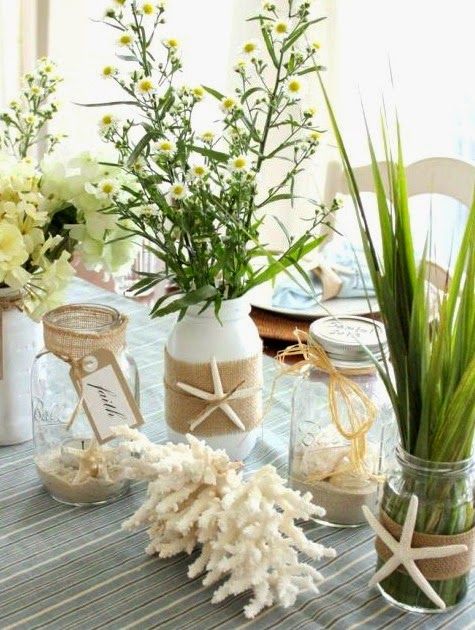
{"x":62,"y":317}
{"x":428,"y":466}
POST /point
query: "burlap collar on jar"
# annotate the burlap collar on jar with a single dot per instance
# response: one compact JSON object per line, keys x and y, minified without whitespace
{"x":72,"y":332}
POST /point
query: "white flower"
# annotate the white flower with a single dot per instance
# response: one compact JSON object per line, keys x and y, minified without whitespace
{"x":198,"y":170}
{"x":147,"y":8}
{"x":107,"y":188}
{"x":198,"y":92}
{"x":208,"y":136}
{"x":314,"y":137}
{"x":241,"y":65}
{"x":145,"y":85}
{"x":239,"y":164}
{"x":165,"y":147}
{"x":108,"y":121}
{"x":172,"y":43}
{"x":310,"y":112}
{"x":31,"y":120}
{"x":294,"y":88}
{"x":178,"y":191}
{"x":126,"y":39}
{"x":148,"y":210}
{"x":250,"y":48}
{"x":228,"y":104}
{"x":108,"y":71}
{"x":281,"y":29}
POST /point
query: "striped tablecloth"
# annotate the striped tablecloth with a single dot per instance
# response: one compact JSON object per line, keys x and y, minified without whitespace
{"x":66,"y":567}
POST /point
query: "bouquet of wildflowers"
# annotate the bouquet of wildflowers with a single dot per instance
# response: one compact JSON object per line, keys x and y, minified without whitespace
{"x":198,"y":202}
{"x":45,"y":210}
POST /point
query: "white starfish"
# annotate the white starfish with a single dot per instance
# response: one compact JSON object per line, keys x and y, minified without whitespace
{"x":404,"y":554}
{"x":218,"y":399}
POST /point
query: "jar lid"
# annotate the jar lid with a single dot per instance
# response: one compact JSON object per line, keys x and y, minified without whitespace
{"x":345,"y":338}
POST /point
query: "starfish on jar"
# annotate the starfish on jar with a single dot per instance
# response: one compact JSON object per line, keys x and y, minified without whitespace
{"x":218,"y":399}
{"x":405,"y":555}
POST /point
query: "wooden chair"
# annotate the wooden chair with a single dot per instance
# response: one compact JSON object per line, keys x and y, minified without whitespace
{"x":450,"y":177}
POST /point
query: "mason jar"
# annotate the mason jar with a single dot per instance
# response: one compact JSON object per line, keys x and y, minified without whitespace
{"x":343,"y":431}
{"x":73,"y":466}
{"x":445,"y":516}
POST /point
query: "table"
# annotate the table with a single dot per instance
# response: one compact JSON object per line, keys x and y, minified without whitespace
{"x":73,"y":568}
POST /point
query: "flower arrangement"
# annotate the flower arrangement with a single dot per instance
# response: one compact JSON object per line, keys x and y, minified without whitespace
{"x":198,"y":203}
{"x":431,"y":382}
{"x":46,"y":210}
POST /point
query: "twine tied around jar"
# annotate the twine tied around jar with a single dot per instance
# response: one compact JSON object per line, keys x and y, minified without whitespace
{"x":8,"y":303}
{"x":361,"y":411}
{"x":75,"y":331}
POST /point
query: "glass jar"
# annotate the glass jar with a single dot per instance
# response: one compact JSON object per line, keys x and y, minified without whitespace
{"x":342,"y":425}
{"x":74,"y":468}
{"x":446,"y":507}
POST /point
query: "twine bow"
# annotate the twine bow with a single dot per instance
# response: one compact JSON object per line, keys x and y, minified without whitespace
{"x":360,"y":410}
{"x":7,"y":303}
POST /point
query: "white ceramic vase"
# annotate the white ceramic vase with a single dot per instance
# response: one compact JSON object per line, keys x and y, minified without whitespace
{"x":200,"y":337}
{"x":22,"y":339}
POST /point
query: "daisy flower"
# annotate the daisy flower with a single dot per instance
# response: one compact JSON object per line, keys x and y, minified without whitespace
{"x":147,"y":8}
{"x":165,"y":147}
{"x":281,"y":29}
{"x":171,"y":43}
{"x":108,"y":121}
{"x":250,"y":48}
{"x":310,"y":112}
{"x":145,"y":85}
{"x":107,"y":189}
{"x":178,"y":191}
{"x":198,"y":92}
{"x":241,"y":65}
{"x":108,"y":71}
{"x":228,"y":104}
{"x":294,"y":88}
{"x":268,"y":6}
{"x":315,"y":46}
{"x":121,"y":3}
{"x":314,"y":137}
{"x":126,"y":39}
{"x":207,"y":136}
{"x":199,"y":170}
{"x":239,"y":164}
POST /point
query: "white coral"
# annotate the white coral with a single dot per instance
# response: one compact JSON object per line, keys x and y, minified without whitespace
{"x":246,"y":528}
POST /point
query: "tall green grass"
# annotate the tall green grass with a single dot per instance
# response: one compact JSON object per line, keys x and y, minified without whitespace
{"x":432,"y":358}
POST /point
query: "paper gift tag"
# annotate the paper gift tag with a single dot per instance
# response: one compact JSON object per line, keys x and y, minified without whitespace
{"x":107,"y":399}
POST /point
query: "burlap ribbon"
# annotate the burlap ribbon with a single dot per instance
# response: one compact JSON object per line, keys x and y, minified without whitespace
{"x":182,"y":408}
{"x":361,"y":412}
{"x":7,"y":303}
{"x":433,"y":568}
{"x":74,"y":331}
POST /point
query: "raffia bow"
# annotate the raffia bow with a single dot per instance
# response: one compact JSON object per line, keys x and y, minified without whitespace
{"x":360,"y":410}
{"x":7,"y":303}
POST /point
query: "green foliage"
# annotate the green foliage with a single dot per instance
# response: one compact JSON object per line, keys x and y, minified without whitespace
{"x":197,"y":203}
{"x":432,"y":353}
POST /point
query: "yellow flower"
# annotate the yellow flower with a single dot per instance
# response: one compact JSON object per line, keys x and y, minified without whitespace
{"x":310,"y":112}
{"x":281,"y":29}
{"x":120,"y":2}
{"x":198,"y":92}
{"x":145,"y":85}
{"x":12,"y":249}
{"x":314,"y":137}
{"x":107,"y":188}
{"x":108,"y":71}
{"x":315,"y":45}
{"x":126,"y":39}
{"x":228,"y":104}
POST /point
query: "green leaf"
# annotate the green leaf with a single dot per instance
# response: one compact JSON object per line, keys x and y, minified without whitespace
{"x":269,"y":46}
{"x":214,"y":93}
{"x":108,"y":104}
{"x":192,"y":298}
{"x":139,"y":148}
{"x":217,"y":156}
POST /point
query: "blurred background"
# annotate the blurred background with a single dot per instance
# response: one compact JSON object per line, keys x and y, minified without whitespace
{"x":416,"y":56}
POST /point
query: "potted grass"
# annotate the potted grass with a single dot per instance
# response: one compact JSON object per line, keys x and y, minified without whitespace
{"x":430,"y":378}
